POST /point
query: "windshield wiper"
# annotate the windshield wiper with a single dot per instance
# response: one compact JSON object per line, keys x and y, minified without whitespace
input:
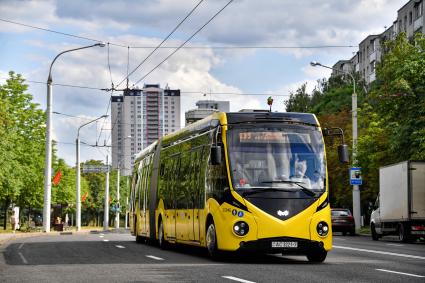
{"x":307,"y":191}
{"x":258,"y":190}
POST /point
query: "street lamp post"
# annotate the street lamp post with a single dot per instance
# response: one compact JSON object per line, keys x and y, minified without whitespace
{"x":48,"y":159}
{"x":106,"y":201}
{"x":356,"y":190}
{"x":117,"y":213}
{"x":78,"y":195}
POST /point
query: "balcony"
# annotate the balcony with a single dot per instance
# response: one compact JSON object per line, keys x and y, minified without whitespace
{"x":372,"y":56}
{"x":418,"y":23}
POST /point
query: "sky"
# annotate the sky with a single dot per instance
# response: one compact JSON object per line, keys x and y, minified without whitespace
{"x":243,"y":76}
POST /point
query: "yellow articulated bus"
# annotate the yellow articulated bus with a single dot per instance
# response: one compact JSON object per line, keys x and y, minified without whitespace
{"x":243,"y":181}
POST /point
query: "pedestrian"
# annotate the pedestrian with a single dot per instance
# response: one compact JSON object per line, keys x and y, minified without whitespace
{"x":14,"y":220}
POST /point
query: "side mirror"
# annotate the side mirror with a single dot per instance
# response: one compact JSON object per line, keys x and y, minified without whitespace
{"x":325,"y":132}
{"x":343,"y":153}
{"x":216,"y":155}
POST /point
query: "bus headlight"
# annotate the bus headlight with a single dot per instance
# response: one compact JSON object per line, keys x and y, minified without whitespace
{"x":322,"y":228}
{"x":241,"y":228}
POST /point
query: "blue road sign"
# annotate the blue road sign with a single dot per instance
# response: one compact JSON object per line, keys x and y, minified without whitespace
{"x":356,"y":176}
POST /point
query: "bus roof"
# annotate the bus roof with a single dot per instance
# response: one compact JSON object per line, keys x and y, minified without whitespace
{"x":225,"y":118}
{"x":266,"y":116}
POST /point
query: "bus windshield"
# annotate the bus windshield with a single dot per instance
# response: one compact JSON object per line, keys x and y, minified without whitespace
{"x":281,"y":157}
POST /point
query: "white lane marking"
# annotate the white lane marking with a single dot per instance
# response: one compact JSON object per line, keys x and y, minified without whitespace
{"x":106,"y":240}
{"x":380,"y":252}
{"x":23,"y":258}
{"x":402,"y":273}
{"x":395,"y":245}
{"x":120,"y":247}
{"x":20,"y":246}
{"x":101,"y":236}
{"x":237,"y":279}
{"x":154,"y":257}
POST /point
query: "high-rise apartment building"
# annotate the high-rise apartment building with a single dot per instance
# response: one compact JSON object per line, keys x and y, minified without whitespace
{"x":139,"y":117}
{"x":410,"y":20}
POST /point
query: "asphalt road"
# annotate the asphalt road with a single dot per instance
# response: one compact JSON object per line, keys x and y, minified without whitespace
{"x":116,"y":257}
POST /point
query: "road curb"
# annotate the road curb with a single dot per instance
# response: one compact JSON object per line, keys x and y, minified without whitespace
{"x":7,"y":237}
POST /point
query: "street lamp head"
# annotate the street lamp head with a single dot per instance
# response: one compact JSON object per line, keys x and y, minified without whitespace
{"x":100,"y":44}
{"x":314,"y":63}
{"x":104,"y":116}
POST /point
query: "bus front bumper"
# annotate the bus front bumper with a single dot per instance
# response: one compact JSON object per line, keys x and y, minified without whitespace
{"x":285,"y":245}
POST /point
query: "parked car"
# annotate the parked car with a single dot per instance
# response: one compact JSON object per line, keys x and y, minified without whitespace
{"x":343,"y":221}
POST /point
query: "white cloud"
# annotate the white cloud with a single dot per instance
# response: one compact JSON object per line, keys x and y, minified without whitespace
{"x":316,"y":72}
{"x":145,"y":23}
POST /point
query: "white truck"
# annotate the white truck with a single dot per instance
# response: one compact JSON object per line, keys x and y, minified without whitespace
{"x":400,"y":206}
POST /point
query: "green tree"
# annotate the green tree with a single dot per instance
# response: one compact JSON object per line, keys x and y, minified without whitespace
{"x":21,"y":144}
{"x":398,"y":97}
{"x":93,"y":204}
{"x":299,"y":101}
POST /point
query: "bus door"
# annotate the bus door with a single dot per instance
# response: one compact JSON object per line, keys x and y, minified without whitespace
{"x":132,"y":214}
{"x":147,"y":194}
{"x":143,"y":197}
{"x":170,"y":211}
{"x":141,"y":193}
{"x":182,"y":198}
{"x":194,"y":195}
{"x":202,"y":160}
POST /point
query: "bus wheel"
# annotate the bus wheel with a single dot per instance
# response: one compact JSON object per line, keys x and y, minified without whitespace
{"x":211,"y":238}
{"x":161,"y":238}
{"x":317,"y":255}
{"x":139,"y":239}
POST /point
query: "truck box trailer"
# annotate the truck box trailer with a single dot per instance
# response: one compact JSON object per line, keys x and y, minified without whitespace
{"x":400,"y":206}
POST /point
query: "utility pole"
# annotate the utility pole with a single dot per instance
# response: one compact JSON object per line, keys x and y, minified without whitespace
{"x":106,"y":208}
{"x":126,"y":206}
{"x":356,"y":190}
{"x":48,"y":143}
{"x":117,"y":213}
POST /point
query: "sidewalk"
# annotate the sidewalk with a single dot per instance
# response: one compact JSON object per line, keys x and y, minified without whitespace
{"x":6,"y":237}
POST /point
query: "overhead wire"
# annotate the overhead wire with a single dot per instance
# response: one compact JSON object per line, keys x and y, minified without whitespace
{"x":187,"y":40}
{"x":65,"y":85}
{"x":184,"y":47}
{"x":162,"y":42}
{"x":57,"y":32}
{"x":181,"y":91}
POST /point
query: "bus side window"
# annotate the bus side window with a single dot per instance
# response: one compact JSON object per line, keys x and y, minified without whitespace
{"x":182,"y":181}
{"x":133,"y":188}
{"x":194,"y":192}
{"x":169,"y":183}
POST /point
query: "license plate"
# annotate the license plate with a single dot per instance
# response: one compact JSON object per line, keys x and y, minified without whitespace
{"x":418,"y":232}
{"x":281,"y":244}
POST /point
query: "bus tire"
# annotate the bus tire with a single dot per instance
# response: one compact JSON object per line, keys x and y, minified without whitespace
{"x":317,"y":255}
{"x":161,"y":237}
{"x":211,"y":239}
{"x":139,"y":239}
